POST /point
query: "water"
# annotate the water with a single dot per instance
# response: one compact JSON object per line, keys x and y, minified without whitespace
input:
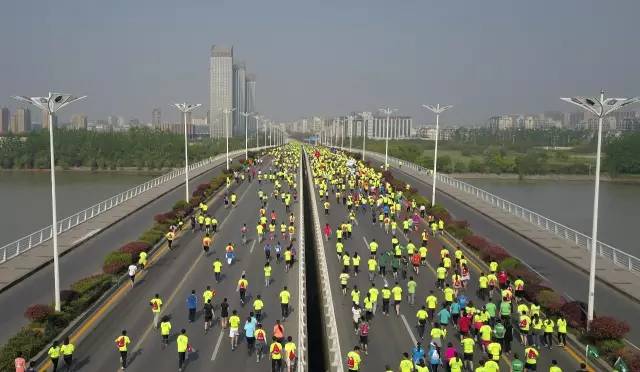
{"x":25,"y":197}
{"x":571,"y":204}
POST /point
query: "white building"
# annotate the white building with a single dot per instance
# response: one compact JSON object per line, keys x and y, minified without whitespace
{"x":220,"y":90}
{"x":250,"y":99}
{"x":399,"y":127}
{"x":239,"y":98}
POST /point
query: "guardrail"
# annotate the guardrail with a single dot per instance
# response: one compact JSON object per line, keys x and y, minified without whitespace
{"x":331,"y":326}
{"x":14,"y":249}
{"x":604,"y":250}
{"x":302,"y":280}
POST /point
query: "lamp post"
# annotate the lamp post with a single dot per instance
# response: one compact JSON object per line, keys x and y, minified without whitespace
{"x":341,"y":133}
{"x":388,"y":111}
{"x":350,"y":132}
{"x":52,"y":103}
{"x":364,"y":133}
{"x":264,"y":126}
{"x":600,"y":107}
{"x":227,"y":112}
{"x":437,"y":110}
{"x":185,"y":108}
{"x":257,"y":117}
{"x":246,"y":134}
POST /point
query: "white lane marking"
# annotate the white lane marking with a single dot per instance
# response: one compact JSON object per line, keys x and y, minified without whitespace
{"x":215,"y":350}
{"x":406,"y":324}
{"x":252,"y":246}
{"x":85,"y":236}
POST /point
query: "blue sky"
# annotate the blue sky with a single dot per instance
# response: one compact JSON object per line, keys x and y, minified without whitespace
{"x":323,"y":57}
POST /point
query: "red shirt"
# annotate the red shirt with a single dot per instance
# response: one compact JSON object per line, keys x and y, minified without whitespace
{"x":464,"y":323}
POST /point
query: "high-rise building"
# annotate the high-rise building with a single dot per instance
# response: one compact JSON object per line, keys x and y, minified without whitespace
{"x":5,"y":119}
{"x":79,"y":121}
{"x":239,"y":98}
{"x":250,"y":99}
{"x":21,"y":121}
{"x":399,"y":127}
{"x":45,"y":119}
{"x":220,"y":89}
{"x":156,"y":117}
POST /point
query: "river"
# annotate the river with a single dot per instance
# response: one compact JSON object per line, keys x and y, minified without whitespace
{"x":571,"y":203}
{"x":25,"y":197}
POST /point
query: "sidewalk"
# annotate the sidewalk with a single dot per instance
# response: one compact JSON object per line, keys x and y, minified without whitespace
{"x":620,"y":279}
{"x":25,"y":264}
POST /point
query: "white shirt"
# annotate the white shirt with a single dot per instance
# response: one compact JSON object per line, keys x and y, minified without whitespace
{"x":132,"y":269}
{"x":356,"y":314}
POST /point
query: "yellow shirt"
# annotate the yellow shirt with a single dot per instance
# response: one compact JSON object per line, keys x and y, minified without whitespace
{"x":467,"y":345}
{"x":422,"y":314}
{"x":165,"y":328}
{"x":207,"y":295}
{"x":54,"y":352}
{"x":494,"y":349}
{"x":406,"y":365}
{"x":122,"y":342}
{"x":455,"y":364}
{"x":156,"y":305}
{"x":183,"y":342}
{"x":397,"y":293}
{"x":485,"y":332}
{"x":258,"y":304}
{"x":531,"y":355}
{"x":67,"y":349}
{"x":284,"y":297}
{"x":217,"y":266}
{"x":290,"y":350}
{"x":372,"y":264}
{"x":353,"y":361}
{"x":432,"y":302}
{"x":234,"y":321}
{"x":276,"y":350}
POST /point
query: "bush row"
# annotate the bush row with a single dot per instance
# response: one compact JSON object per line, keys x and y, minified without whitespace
{"x":46,"y":324}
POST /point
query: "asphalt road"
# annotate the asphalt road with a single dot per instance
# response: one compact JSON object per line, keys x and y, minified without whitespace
{"x":565,"y":278}
{"x":185,"y":268}
{"x":392,"y":335}
{"x":84,"y":260}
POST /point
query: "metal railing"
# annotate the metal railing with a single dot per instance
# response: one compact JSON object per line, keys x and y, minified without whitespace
{"x":14,"y":249}
{"x":604,"y":250}
{"x":302,"y":280}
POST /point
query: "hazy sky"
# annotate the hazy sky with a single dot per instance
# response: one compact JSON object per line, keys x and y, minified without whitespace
{"x":323,"y":57}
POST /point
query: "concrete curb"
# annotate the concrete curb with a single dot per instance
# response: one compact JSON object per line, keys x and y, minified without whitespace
{"x":302,"y":282}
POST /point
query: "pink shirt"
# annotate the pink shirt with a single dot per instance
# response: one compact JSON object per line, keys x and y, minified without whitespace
{"x":450,"y":353}
{"x":21,"y":364}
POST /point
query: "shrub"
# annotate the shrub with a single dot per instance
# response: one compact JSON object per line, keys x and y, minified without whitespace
{"x":28,"y":341}
{"x":605,"y":327}
{"x":509,"y":263}
{"x":134,"y":248}
{"x":116,"y":263}
{"x":610,"y":349}
{"x":38,"y":312}
{"x":180,"y":205}
{"x":631,"y":356}
{"x":493,"y":253}
{"x":575,"y":314}
{"x":88,"y":284}
{"x":529,"y":277}
{"x":551,"y":301}
{"x":55,"y":323}
{"x":165,"y":218}
{"x":475,"y":242}
{"x":151,"y":236}
{"x":68,"y":295}
{"x":531,"y":290}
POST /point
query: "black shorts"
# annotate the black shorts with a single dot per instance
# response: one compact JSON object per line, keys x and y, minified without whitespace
{"x":519,"y":294}
{"x":132,"y":277}
{"x":468,"y":356}
{"x":397,"y":302}
{"x":364,"y":339}
{"x":530,"y":367}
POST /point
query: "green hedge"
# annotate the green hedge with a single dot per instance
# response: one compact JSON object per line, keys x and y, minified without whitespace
{"x":116,"y":263}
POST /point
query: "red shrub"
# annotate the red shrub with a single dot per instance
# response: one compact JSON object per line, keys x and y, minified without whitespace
{"x":529,"y":277}
{"x":605,"y":327}
{"x":38,"y":312}
{"x":202,"y":187}
{"x":575,"y":314}
{"x":476,"y":242}
{"x":134,"y":248}
{"x":632,"y":357}
{"x":493,"y":253}
{"x":164,"y":218}
{"x":551,"y":301}
{"x":461,"y":224}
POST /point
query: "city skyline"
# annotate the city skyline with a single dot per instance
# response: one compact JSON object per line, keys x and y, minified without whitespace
{"x":445,"y":52}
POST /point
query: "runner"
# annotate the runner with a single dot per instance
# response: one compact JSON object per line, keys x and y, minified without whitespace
{"x":183,"y":344}
{"x":234,"y":326}
{"x":122,"y":343}
{"x":156,"y":308}
{"x":165,"y":330}
{"x":132,"y":270}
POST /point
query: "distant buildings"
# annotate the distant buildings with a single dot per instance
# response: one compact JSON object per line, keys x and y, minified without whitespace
{"x":375,"y":126}
{"x":5,"y":118}
{"x":79,"y":121}
{"x":239,"y":97}
{"x":20,"y":121}
{"x":429,"y":133}
{"x":45,"y":120}
{"x":156,"y":118}
{"x":250,"y":99}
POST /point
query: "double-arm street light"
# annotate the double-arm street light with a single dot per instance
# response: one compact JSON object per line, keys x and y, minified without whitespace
{"x":257,"y":117}
{"x":436,"y":110}
{"x":388,"y":111}
{"x":246,"y":134}
{"x":600,"y":107}
{"x":350,"y":123}
{"x":364,"y":132}
{"x":51,"y":104}
{"x":186,"y":108}
{"x":226,"y":113}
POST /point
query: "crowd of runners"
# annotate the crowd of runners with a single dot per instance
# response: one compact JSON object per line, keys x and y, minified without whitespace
{"x":469,"y":319}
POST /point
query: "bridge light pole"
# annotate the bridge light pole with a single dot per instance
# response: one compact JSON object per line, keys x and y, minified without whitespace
{"x":226,"y":113}
{"x":388,"y":111}
{"x":436,"y":110}
{"x":246,"y":134}
{"x":51,"y":104}
{"x":185,"y":108}
{"x":257,"y":117}
{"x":364,"y":133}
{"x":600,"y":107}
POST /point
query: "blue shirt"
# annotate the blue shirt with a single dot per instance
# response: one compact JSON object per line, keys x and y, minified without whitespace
{"x":444,"y":316}
{"x":434,"y":357}
{"x":249,"y":329}
{"x":192,"y":301}
{"x":455,"y":308}
{"x":417,"y":354}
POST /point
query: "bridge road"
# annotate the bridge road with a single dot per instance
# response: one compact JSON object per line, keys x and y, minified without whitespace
{"x":174,"y":276}
{"x":84,"y":260}
{"x":565,"y":278}
{"x":391,"y":336}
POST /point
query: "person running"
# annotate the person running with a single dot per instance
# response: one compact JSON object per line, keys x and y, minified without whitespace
{"x":285,"y":296}
{"x":132,"y":270}
{"x":217,"y":269}
{"x":363,"y":333}
{"x":290,"y":354}
{"x":170,"y":236}
{"x":267,"y":274}
{"x":142,"y":260}
{"x":243,"y":284}
{"x":354,"y":360}
{"x":54,"y":354}
{"x":224,"y":313}
{"x":156,"y":308}
{"x":122,"y":343}
{"x":249,"y":333}
{"x":261,"y":342}
{"x":397,"y":297}
{"x":206,"y":243}
{"x":208,"y":315}
{"x":275,"y":350}
{"x":278,"y":331}
{"x":183,"y":345}
{"x":192,"y":305}
{"x":421,"y":317}
{"x":234,"y":329}
{"x":165,"y":330}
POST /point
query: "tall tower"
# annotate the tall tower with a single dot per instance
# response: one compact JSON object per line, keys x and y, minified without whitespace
{"x":21,"y":121}
{"x":4,"y":120}
{"x":220,"y":89}
{"x":239,"y":98}
{"x":250,"y":98}
{"x":156,"y":117}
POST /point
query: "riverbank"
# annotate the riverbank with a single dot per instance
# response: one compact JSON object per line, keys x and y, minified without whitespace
{"x":633,"y":179}
{"x":121,"y":170}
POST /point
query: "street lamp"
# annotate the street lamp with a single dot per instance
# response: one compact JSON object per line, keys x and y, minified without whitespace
{"x":388,"y":111}
{"x":257,"y":117}
{"x":52,"y":103}
{"x":437,"y":110}
{"x":264,"y":126}
{"x":185,"y":108}
{"x":364,"y":132}
{"x":246,"y":134}
{"x":341,"y":133}
{"x":600,"y":107}
{"x":350,"y":131}
{"x":226,"y":113}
